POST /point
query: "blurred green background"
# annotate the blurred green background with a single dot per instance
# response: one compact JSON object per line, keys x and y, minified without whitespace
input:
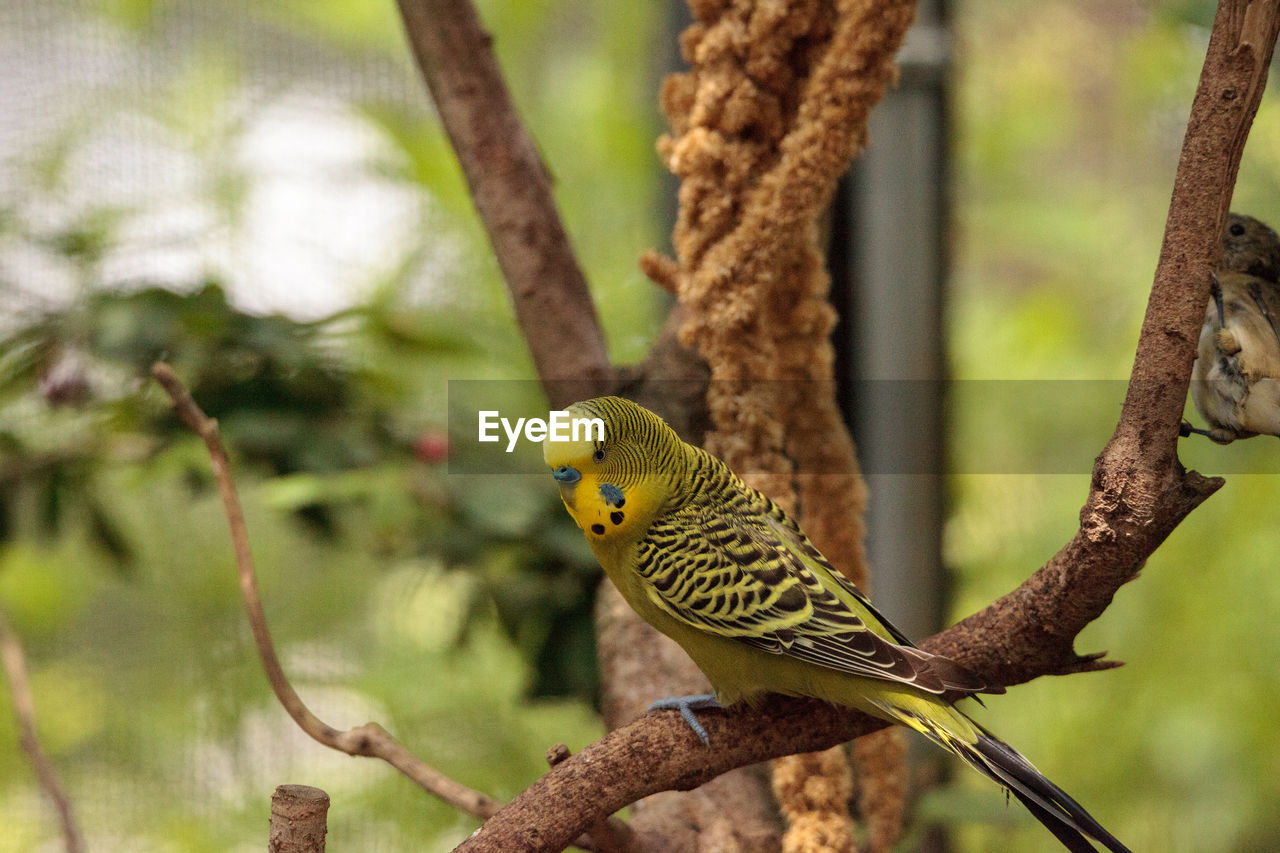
{"x":261,"y":195}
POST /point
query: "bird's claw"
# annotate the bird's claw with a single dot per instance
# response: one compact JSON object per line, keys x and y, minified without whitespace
{"x":1220,"y":435}
{"x":686,"y":705}
{"x":1226,"y":342}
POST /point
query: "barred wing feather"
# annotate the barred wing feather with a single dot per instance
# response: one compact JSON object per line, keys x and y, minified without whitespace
{"x":758,"y":580}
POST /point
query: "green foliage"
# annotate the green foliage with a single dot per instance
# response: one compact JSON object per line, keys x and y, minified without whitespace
{"x":461,"y":575}
{"x":292,"y":407}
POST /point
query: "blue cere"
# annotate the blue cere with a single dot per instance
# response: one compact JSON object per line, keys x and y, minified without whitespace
{"x":567,"y":474}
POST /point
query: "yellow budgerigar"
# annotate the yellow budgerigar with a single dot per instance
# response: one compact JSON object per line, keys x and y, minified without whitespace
{"x":719,"y":568}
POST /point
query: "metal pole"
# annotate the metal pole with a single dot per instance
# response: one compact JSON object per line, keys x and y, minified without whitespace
{"x":889,"y":264}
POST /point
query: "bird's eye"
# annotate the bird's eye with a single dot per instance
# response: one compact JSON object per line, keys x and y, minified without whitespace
{"x":1236,"y":229}
{"x":598,"y":456}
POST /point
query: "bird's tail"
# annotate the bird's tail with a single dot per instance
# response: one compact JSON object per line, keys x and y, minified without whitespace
{"x":995,"y":759}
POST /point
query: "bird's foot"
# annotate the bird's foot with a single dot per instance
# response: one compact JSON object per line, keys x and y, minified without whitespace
{"x":686,"y":705}
{"x":1220,"y":435}
{"x":1226,"y":342}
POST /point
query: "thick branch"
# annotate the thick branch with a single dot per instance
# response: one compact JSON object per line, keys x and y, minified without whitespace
{"x":512,"y":193}
{"x":672,"y":381}
{"x":14,"y":661}
{"x":1226,"y":100}
{"x":1139,"y":493}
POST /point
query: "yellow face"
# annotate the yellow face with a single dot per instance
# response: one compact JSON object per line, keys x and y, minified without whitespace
{"x":607,"y":502}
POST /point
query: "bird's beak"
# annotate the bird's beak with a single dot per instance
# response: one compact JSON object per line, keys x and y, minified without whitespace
{"x":568,"y":477}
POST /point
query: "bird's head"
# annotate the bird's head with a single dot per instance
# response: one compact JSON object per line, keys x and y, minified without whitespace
{"x":615,"y":473}
{"x":1249,"y":246}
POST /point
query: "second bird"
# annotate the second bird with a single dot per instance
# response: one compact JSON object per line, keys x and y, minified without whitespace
{"x":1235,"y":382}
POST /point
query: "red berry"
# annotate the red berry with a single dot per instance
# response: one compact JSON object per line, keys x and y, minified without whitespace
{"x":431,"y":447}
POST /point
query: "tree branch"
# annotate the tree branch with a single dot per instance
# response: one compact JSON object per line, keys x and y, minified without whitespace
{"x":511,"y":189}
{"x":1138,"y":495}
{"x":298,"y":820}
{"x":610,"y":835}
{"x":1139,"y":491}
{"x":370,"y":739}
{"x":15,"y":670}
{"x":734,"y":811}
{"x":512,"y":193}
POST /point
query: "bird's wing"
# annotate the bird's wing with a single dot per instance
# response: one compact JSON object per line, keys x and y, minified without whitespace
{"x":757,"y":579}
{"x":1266,"y":360}
{"x":1252,"y":324}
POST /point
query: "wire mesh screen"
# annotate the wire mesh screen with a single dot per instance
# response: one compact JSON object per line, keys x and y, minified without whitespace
{"x":166,"y":142}
{"x":153,"y":147}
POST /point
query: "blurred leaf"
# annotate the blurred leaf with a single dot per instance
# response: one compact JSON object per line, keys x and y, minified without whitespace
{"x":136,"y":15}
{"x":343,"y":24}
{"x":957,"y":807}
{"x":498,"y":505}
{"x":39,"y":589}
{"x":414,"y":333}
{"x":86,"y":240}
{"x":107,"y":535}
{"x":203,"y":103}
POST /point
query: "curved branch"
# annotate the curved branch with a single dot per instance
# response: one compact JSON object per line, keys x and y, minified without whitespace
{"x":370,"y":739}
{"x":1138,"y":495}
{"x":14,"y":661}
{"x":1139,"y":491}
{"x":608,"y":835}
{"x":512,"y":193}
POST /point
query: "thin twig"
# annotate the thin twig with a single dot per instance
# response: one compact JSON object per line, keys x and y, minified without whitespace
{"x":370,"y":739}
{"x":15,"y":669}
